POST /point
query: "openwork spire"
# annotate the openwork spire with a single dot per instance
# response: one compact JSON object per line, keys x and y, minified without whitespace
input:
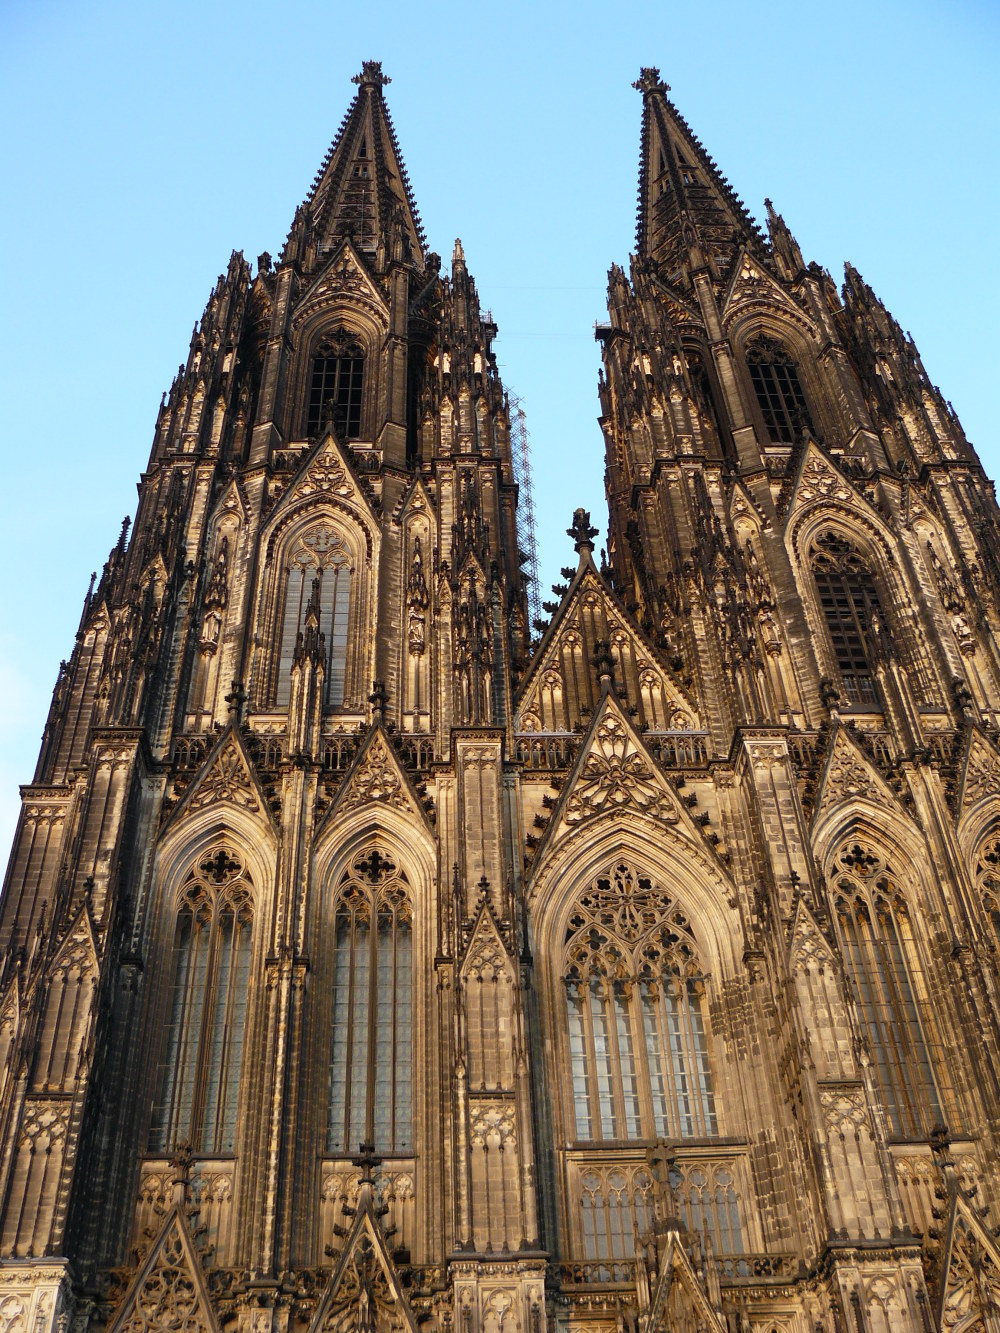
{"x":687,"y":210}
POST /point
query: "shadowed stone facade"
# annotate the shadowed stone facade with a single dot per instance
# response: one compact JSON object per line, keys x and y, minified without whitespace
{"x":372,"y":964}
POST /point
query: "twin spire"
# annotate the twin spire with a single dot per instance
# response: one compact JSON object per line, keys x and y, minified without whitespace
{"x":688,"y":214}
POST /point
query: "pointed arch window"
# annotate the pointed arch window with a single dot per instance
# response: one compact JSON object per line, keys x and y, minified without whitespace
{"x":884,"y":968}
{"x":317,"y":577}
{"x":199,"y":1075}
{"x":636,"y":1007}
{"x":775,"y":379}
{"x":371,"y":1055}
{"x":850,"y":604}
{"x":335,"y":388}
{"x":988,"y":880}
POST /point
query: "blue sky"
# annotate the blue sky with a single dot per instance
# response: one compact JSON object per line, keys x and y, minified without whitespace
{"x":145,"y":142}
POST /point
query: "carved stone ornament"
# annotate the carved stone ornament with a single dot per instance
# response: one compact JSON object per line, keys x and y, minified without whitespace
{"x":982,"y":773}
{"x":228,"y":779}
{"x":971,"y":1295}
{"x":616,"y":775}
{"x":844,"y":1110}
{"x":377,"y":779}
{"x":326,"y":474}
{"x":169,"y":1295}
{"x":848,"y":778}
{"x":821,"y":481}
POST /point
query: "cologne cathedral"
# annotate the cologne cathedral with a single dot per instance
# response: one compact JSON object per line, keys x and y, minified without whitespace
{"x":377,"y":958}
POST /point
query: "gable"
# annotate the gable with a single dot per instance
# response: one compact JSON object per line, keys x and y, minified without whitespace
{"x":226,"y":778}
{"x":365,"y":1290}
{"x":753,"y":289}
{"x":169,"y":1290}
{"x":980,"y":778}
{"x":969,"y":1282}
{"x":816,"y":480}
{"x":326,"y":474}
{"x":848,"y":776}
{"x":376,"y":777}
{"x":562,"y":685}
{"x":615,"y":774}
{"x":346,"y":276}
{"x":679,"y":1294}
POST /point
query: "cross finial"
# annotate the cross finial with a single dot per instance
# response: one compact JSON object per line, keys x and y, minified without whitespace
{"x":582,"y":532}
{"x":371,"y":72}
{"x":649,"y":81}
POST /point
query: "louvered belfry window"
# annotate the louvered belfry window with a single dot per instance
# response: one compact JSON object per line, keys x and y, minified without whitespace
{"x":199,"y":1076}
{"x":775,"y":379}
{"x":884,"y":967}
{"x":636,"y":1005}
{"x":335,"y":389}
{"x":850,"y":605}
{"x":371,"y":1055}
{"x":318,"y":566}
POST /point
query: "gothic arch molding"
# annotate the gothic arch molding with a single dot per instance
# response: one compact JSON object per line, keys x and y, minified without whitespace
{"x":354,"y":540}
{"x":679,"y":864}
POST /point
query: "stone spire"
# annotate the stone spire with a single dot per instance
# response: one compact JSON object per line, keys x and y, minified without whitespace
{"x":687,"y":210}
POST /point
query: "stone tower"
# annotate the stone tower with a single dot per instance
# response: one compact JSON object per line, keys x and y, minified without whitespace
{"x":369,"y":965}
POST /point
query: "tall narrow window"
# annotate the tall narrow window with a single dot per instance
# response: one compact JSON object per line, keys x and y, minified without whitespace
{"x":850,"y":604}
{"x":635,"y":998}
{"x":318,"y":570}
{"x":199,"y":1076}
{"x":775,"y":379}
{"x":883,"y":965}
{"x":335,"y":388}
{"x":988,"y":879}
{"x":371,"y":1033}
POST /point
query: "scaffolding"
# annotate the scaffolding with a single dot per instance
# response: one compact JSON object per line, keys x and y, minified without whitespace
{"x":520,"y":452}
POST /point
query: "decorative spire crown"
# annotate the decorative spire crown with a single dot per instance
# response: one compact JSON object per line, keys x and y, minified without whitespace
{"x":649,"y":81}
{"x":371,"y":72}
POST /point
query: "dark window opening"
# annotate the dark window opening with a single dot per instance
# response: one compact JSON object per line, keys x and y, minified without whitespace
{"x":849,"y":600}
{"x":775,"y":379}
{"x":335,"y":391}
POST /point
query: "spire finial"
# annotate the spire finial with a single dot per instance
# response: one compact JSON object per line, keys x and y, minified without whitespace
{"x":582,"y":532}
{"x":649,"y":81}
{"x":371,"y":72}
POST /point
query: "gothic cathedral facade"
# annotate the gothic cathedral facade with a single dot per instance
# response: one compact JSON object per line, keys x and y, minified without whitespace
{"x":372,"y":962}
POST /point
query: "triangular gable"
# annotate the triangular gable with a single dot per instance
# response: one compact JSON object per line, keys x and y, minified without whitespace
{"x":806,"y":942}
{"x":376,"y":777}
{"x":364,"y":1274}
{"x":614,"y":772}
{"x":589,"y":592}
{"x":227,"y":777}
{"x":344,"y":274}
{"x":79,"y":944}
{"x":849,"y":775}
{"x":743,"y":505}
{"x":487,"y":949}
{"x":233,"y":499}
{"x":980,"y":772}
{"x":170,"y":1283}
{"x":326,"y":472}
{"x":818,"y":479}
{"x":678,"y":1289}
{"x":752,"y":285}
{"x":416,"y":499}
{"x":969,"y":1284}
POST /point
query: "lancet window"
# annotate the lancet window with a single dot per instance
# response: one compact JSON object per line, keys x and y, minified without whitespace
{"x":371,"y":1055}
{"x":988,"y":879}
{"x":199,"y":1077}
{"x":852,"y":612}
{"x":884,"y":968}
{"x":335,"y":389}
{"x":317,"y":580}
{"x":636,"y":1005}
{"x":616,"y":1205}
{"x":775,"y":379}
